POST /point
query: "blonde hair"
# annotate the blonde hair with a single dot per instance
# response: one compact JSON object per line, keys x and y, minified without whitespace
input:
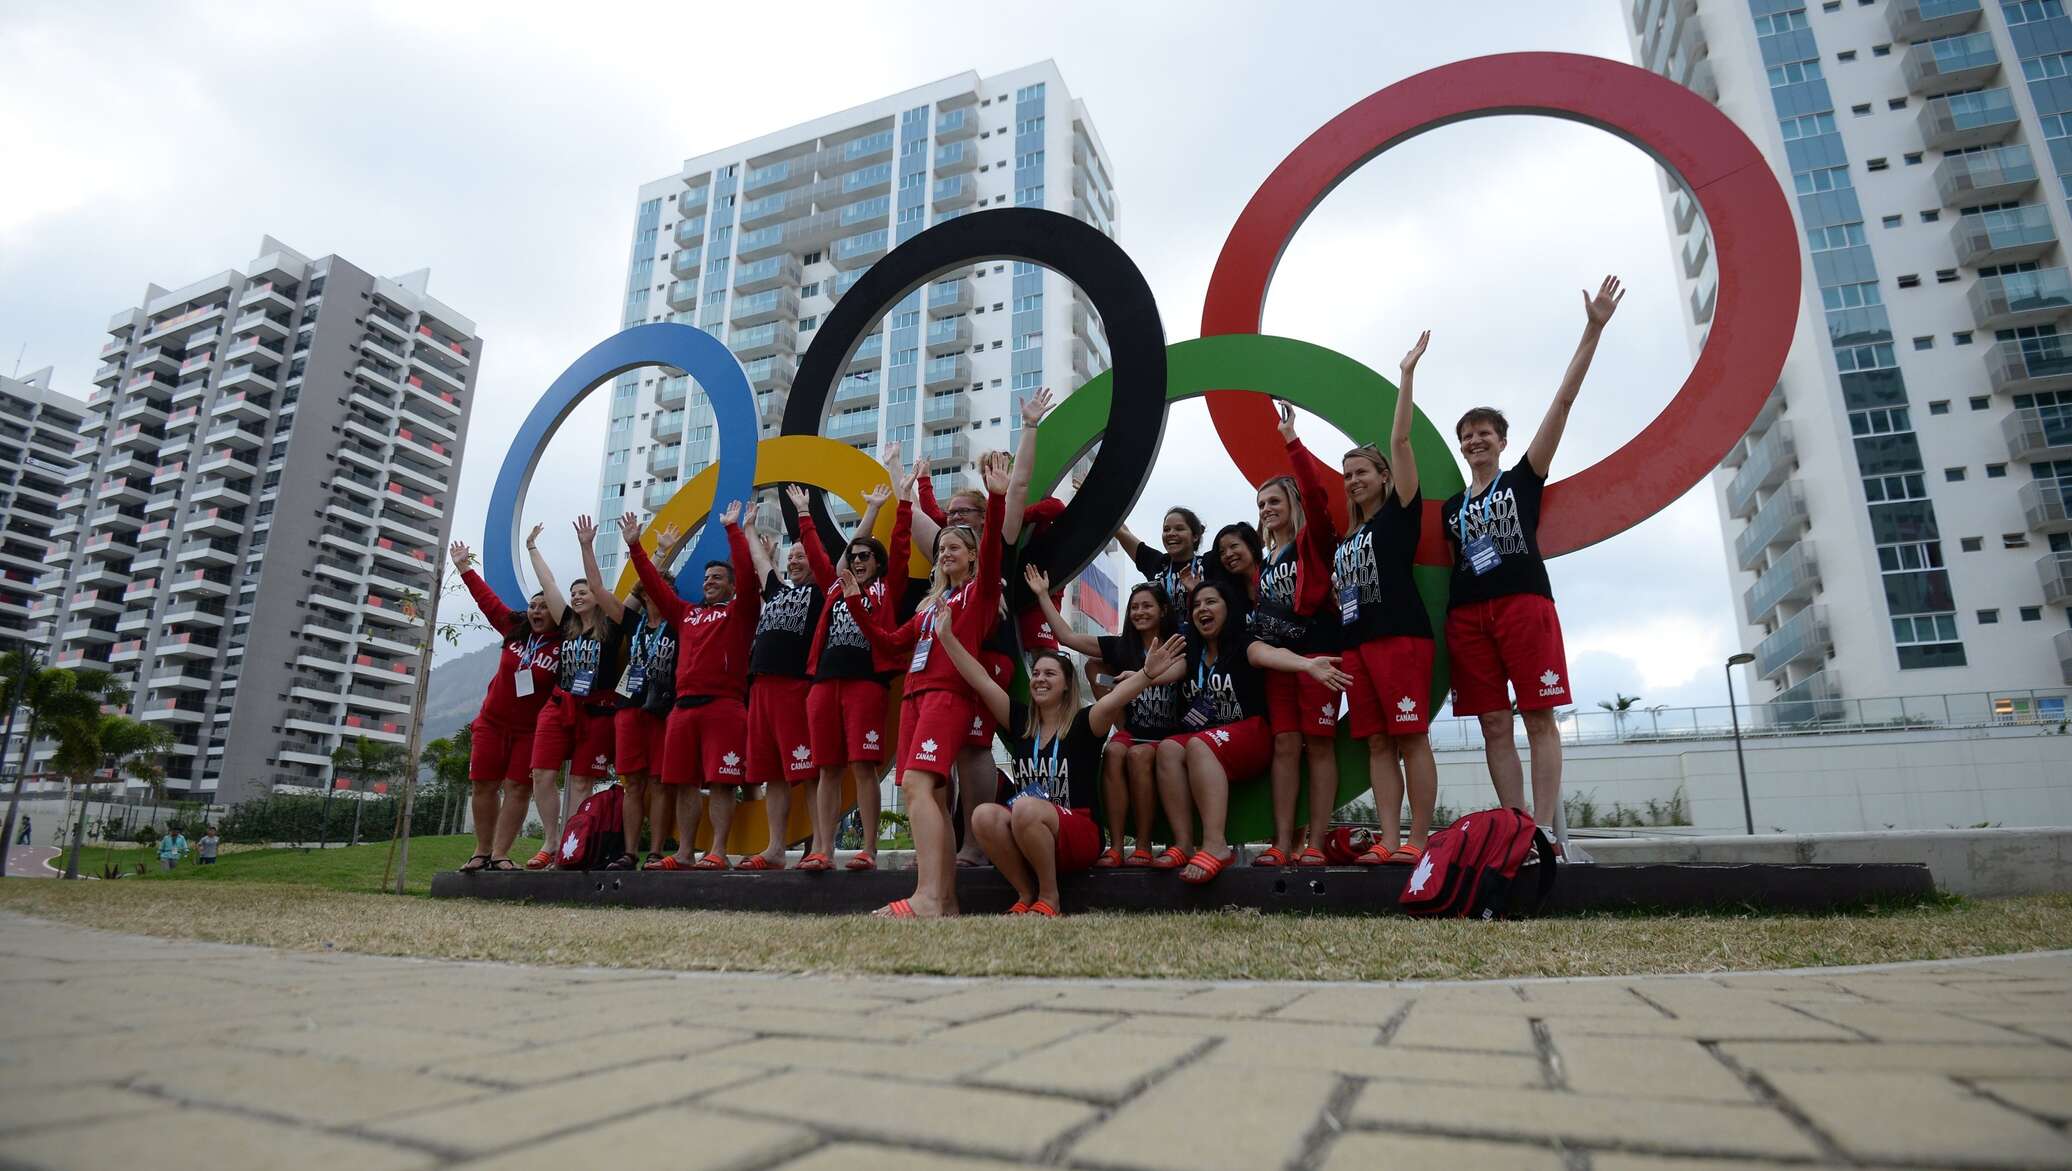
{"x":1367,"y":451}
{"x":1288,"y":489}
{"x":938,"y":578}
{"x":977,"y":498}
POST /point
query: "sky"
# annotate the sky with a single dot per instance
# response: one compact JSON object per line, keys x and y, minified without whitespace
{"x":502,"y":145}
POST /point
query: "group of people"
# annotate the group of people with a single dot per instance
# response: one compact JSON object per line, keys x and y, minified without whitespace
{"x":1234,"y":660}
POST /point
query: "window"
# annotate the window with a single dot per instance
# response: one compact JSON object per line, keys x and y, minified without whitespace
{"x":1876,"y":165}
{"x":1831,"y":6}
{"x":806,"y":323}
{"x":1916,"y":629}
{"x":1781,"y":22}
{"x":1981,"y":402}
{"x":1931,"y":215}
{"x":1961,"y":338}
{"x":1861,"y":110}
{"x":1953,"y":475}
{"x":2031,"y":613}
{"x":1880,"y":50}
{"x":810,"y":289}
{"x":1945,"y":276}
{"x":1940,"y":406}
{"x":810,"y":258}
{"x":1880,"y":421}
{"x":1912,"y":280}
{"x":2014,"y":540}
{"x":1911,"y":557}
{"x":2029,"y":11}
{"x":1971,"y":544}
{"x":1924,"y":343}
{"x":1912,"y":158}
{"x":1794,"y":71}
{"x":1893,"y":221}
{"x":1895,"y":103}
{"x":1807,"y":126}
{"x":1830,"y":239}
{"x":1988,"y":617}
{"x":1854,"y":296}
{"x":1996,"y":471}
{"x":1846,"y":55}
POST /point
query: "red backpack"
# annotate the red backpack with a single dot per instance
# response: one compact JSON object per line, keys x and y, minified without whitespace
{"x":1468,"y":867}
{"x":595,"y":833}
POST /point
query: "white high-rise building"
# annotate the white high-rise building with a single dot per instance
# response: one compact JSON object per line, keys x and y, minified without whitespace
{"x":754,"y":242}
{"x":39,"y":427}
{"x":1896,"y":520}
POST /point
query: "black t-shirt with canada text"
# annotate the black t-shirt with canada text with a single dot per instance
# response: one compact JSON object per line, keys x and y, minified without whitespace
{"x":1155,"y":712}
{"x":784,"y":630}
{"x":1066,"y":767}
{"x":590,"y":662}
{"x":1161,"y":569}
{"x":1508,"y":513}
{"x":1236,"y":690}
{"x":1273,"y":619}
{"x":1374,"y":561}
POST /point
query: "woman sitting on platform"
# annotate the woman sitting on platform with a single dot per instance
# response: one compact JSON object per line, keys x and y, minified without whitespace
{"x":1047,"y":827}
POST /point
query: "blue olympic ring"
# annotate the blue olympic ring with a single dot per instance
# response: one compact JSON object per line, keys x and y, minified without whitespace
{"x":693,"y":351}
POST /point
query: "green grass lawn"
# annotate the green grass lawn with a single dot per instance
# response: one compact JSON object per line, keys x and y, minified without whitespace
{"x":346,"y":868}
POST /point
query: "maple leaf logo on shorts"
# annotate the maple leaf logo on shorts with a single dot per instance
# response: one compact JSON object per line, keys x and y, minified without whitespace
{"x":928,"y":746}
{"x":1549,"y":678}
{"x":1406,"y":705}
{"x":731,"y":759}
{"x":871,"y":737}
{"x":1221,"y":736}
{"x":802,"y":754}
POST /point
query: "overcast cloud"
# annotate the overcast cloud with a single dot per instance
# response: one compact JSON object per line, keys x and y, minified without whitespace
{"x":501,"y":146}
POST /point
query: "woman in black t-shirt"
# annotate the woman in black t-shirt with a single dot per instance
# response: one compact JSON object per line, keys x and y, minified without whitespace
{"x":1223,"y":736}
{"x":1387,"y":634}
{"x":1237,"y":557}
{"x":1175,"y":567}
{"x":1128,"y":789}
{"x":575,"y":728}
{"x":1047,"y":827}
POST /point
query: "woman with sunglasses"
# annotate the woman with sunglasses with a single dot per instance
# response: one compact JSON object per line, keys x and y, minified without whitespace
{"x":574,"y":730}
{"x":845,"y":710}
{"x":937,"y":710}
{"x":1387,"y":634}
{"x":1128,"y":789}
{"x":1294,"y":586}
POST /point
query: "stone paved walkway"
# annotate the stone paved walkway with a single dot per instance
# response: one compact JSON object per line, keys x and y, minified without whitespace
{"x":124,"y":1051}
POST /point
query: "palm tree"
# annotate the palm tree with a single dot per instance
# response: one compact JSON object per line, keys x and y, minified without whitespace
{"x":447,"y":758}
{"x":90,"y":745}
{"x":1618,"y":706}
{"x":366,"y":761}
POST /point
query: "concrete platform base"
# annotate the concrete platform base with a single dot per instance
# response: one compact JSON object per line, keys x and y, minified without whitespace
{"x":1348,"y":890}
{"x":1981,"y":863}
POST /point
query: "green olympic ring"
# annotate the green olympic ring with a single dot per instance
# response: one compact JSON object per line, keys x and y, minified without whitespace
{"x":1348,"y":394}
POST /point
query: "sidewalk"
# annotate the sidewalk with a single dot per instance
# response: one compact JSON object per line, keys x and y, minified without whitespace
{"x":224,"y":1057}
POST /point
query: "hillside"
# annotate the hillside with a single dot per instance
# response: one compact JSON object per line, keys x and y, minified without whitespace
{"x":456,"y":690}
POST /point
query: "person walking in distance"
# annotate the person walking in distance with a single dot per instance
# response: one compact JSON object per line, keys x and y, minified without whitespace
{"x":205,"y":847}
{"x":1501,"y":626}
{"x":500,"y":740}
{"x":574,"y":729}
{"x":1386,"y":633}
{"x":708,"y":725}
{"x":780,"y":752}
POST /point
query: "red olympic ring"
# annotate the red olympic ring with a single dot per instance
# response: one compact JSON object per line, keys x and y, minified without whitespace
{"x":1753,"y":235}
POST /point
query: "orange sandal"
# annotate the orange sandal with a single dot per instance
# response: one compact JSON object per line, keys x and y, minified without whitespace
{"x":667,"y":862}
{"x":1270,"y":856}
{"x":1140,"y":857}
{"x":864,"y":861}
{"x":540,"y":861}
{"x":1173,"y":858}
{"x":758,"y":862}
{"x":1405,"y":856}
{"x":1019,"y":908}
{"x":1374,"y":857}
{"x":816,"y":862}
{"x":1209,"y":865}
{"x":897,"y":909}
{"x":1039,"y":907}
{"x":1110,"y":858}
{"x":713,"y":861}
{"x":1312,"y":857}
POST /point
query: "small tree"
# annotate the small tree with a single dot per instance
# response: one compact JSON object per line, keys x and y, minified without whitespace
{"x":53,"y":696}
{"x":105,"y":748}
{"x":447,"y":758}
{"x":1618,"y":706}
{"x":367,"y":762}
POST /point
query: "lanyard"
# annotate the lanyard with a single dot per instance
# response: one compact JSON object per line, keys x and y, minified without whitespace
{"x":1057,"y":744}
{"x":1202,"y":672}
{"x":1488,"y":508}
{"x":531,"y":651}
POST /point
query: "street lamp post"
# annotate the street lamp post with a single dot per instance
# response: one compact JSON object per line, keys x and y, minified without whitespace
{"x":1747,"y":810}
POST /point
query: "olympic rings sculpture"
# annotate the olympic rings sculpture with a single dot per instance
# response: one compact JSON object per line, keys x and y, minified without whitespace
{"x":1747,"y":214}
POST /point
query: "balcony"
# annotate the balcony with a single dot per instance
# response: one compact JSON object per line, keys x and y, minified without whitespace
{"x":1973,"y":119}
{"x":684,"y":263}
{"x":2006,"y":236}
{"x":690,"y":231}
{"x":239,"y":405}
{"x":943,"y":373}
{"x":947,"y":410}
{"x":1946,"y":64}
{"x":247,"y":376}
{"x":1792,"y":577}
{"x":683,"y":295}
{"x":251,"y":346}
{"x":855,"y":392}
{"x":769,"y":406}
{"x":196,"y":613}
{"x":221,"y":493}
{"x":949,"y":299}
{"x":772,"y":373}
{"x":200,"y":582}
{"x":2047,"y":505}
{"x":1815,"y":699}
{"x":768,"y":305}
{"x":1697,"y":249}
{"x":2032,"y":435}
{"x":956,"y":125}
{"x":955,"y":191}
{"x":667,"y":428}
{"x":870,"y":353}
{"x":877,"y":144}
{"x":853,"y":425}
{"x":860,"y":249}
{"x":2021,"y":365}
{"x":782,"y":205}
{"x":231,"y":433}
{"x":1995,"y":175}
{"x":950,"y":333}
{"x":169,"y":711}
{"x":875,"y":180}
{"x":952,"y":447}
{"x":1804,"y":638}
{"x":217,"y":554}
{"x":955,"y":158}
{"x":762,"y":340}
{"x":658,"y":493}
{"x":778,"y":175}
{"x":1918,"y":20}
{"x":2054,"y":570}
{"x":767,"y":273}
{"x":1770,"y":460}
{"x":2021,"y":298}
{"x":664,"y":460}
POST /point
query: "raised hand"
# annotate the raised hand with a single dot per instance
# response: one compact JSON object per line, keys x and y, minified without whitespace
{"x":800,"y":501}
{"x":1164,"y":655}
{"x":1287,"y":423}
{"x":458,"y":552}
{"x":891,"y":460}
{"x":1189,"y":578}
{"x":848,"y":580}
{"x":1037,"y":579}
{"x":910,"y":484}
{"x":995,"y":469}
{"x":532,"y":538}
{"x":669,"y":538}
{"x":1325,"y":671}
{"x":1035,"y":407}
{"x":876,"y":494}
{"x":586,"y":529}
{"x":1409,"y":362}
{"x":732,"y":515}
{"x":1601,"y":307}
{"x":629,"y":528}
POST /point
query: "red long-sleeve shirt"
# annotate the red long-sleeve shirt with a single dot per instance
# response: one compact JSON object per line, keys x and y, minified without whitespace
{"x":971,"y":612}
{"x":523,"y":650}
{"x":1036,"y":633}
{"x":712,"y":641}
{"x":878,"y":598}
{"x":1317,"y":544}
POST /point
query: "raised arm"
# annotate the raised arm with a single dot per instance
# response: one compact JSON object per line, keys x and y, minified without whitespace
{"x":901,"y":550}
{"x":1323,"y":669}
{"x":1317,"y":525}
{"x":586,"y":538}
{"x":493,"y":608}
{"x":809,"y":536}
{"x":1129,"y":542}
{"x":928,"y":517}
{"x":557,"y":606}
{"x":989,"y":549}
{"x":974,"y":672}
{"x":761,"y":550}
{"x":748,"y":607}
{"x":1164,"y":659}
{"x":1403,"y":461}
{"x":661,"y":596}
{"x":1039,"y":584}
{"x":873,"y":503}
{"x":1599,"y":311}
{"x":1033,"y":409}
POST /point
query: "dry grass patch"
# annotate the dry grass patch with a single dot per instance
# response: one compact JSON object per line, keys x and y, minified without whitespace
{"x":1228,"y":945}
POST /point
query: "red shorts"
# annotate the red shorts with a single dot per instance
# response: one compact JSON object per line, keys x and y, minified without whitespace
{"x":499,"y":753}
{"x":1391,"y":691}
{"x":1244,"y":749}
{"x":845,"y":719}
{"x":1298,"y":703}
{"x":1515,"y":638}
{"x":1079,"y":839}
{"x":706,"y":744}
{"x":1001,"y":668}
{"x":778,"y":745}
{"x":931,"y":730}
{"x":640,"y":736}
{"x":568,"y":731}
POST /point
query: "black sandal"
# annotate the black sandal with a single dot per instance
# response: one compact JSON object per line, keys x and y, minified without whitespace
{"x":475,"y":863}
{"x":622,"y":862}
{"x":649,"y":861}
{"x":503,"y":864}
